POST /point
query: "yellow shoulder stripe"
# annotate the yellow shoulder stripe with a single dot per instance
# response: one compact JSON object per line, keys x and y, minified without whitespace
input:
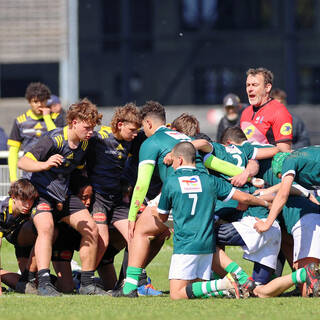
{"x":104,"y":132}
{"x":59,"y":140}
{"x":22,"y":118}
{"x":30,"y":156}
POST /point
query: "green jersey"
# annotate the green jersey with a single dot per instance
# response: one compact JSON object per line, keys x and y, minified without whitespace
{"x":155,"y":148}
{"x":304,"y":163}
{"x":294,"y":209}
{"x":236,"y":154}
{"x":192,"y":195}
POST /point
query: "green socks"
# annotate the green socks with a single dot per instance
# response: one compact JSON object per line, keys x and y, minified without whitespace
{"x":238,"y":271}
{"x":208,"y":288}
{"x":132,"y":279}
{"x":299,"y":276}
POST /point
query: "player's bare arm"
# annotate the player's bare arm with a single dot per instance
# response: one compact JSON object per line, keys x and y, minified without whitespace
{"x":249,"y":199}
{"x":284,"y":146}
{"x":277,"y":205}
{"x":266,"y":153}
{"x":32,"y":165}
{"x":250,"y":171}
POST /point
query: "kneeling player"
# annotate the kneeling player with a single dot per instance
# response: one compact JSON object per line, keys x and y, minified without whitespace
{"x":191,"y":194}
{"x":15,"y":223}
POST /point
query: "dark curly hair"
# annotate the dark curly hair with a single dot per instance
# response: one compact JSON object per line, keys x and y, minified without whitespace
{"x":37,"y":90}
{"x":153,"y":109}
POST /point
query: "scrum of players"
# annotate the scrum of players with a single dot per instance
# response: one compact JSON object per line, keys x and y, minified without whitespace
{"x":136,"y":180}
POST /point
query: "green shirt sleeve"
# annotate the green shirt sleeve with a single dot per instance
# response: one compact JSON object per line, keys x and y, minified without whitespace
{"x":145,"y":172}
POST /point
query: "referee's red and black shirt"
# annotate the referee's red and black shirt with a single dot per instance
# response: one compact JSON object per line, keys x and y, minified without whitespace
{"x":269,"y":123}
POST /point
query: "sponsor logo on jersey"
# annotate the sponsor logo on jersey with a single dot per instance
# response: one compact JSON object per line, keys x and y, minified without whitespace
{"x":249,"y":131}
{"x":190,"y":184}
{"x":99,"y":217}
{"x":43,"y":207}
{"x":286,"y":129}
{"x":177,"y":135}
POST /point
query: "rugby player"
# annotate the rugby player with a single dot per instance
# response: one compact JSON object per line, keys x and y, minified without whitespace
{"x":191,"y":194}
{"x":301,"y":166}
{"x":160,"y":142}
{"x":266,"y":120}
{"x":31,"y":125}
{"x":17,"y":228}
{"x":51,"y":161}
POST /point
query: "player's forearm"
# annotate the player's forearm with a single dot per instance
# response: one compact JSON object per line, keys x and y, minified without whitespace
{"x":277,"y":205}
{"x":31,"y":165}
{"x":224,"y":167}
{"x":252,"y":168}
{"x":284,"y":146}
{"x":249,"y":199}
{"x":202,"y":145}
{"x":13,"y":162}
{"x":140,"y":190}
{"x":266,"y":153}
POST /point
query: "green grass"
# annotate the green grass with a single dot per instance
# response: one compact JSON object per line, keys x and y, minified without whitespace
{"x":15,"y":306}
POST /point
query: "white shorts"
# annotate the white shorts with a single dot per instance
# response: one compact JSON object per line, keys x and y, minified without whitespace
{"x":306,"y":237}
{"x":154,"y":203}
{"x":190,"y":266}
{"x":260,"y":247}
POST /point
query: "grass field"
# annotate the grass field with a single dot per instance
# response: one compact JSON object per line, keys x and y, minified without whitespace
{"x":16,"y":306}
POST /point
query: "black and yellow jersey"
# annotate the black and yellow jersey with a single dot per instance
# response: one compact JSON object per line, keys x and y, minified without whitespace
{"x":8,"y":222}
{"x":107,"y":159}
{"x":55,"y":181}
{"x":28,"y":128}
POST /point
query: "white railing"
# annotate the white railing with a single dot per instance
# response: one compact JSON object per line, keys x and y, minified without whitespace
{"x":4,"y":174}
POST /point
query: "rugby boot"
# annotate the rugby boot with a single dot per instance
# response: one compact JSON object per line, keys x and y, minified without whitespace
{"x":92,"y":289}
{"x":26,"y":287}
{"x":148,"y":289}
{"x":313,"y":279}
{"x":236,"y":286}
{"x":48,"y":290}
{"x":119,"y":293}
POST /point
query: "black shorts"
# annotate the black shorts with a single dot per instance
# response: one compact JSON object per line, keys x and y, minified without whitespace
{"x":67,"y":241}
{"x":22,"y":252}
{"x":13,"y":236}
{"x":58,"y":210}
{"x":108,"y":209}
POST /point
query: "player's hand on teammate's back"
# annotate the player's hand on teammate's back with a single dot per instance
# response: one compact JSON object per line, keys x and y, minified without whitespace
{"x":168,"y":159}
{"x":54,"y":161}
{"x":261,"y":226}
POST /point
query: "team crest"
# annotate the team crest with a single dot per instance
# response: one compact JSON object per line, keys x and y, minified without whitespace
{"x":190,"y":184}
{"x":286,"y":129}
{"x":249,"y":131}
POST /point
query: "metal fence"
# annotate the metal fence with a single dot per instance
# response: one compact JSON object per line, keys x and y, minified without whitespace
{"x":4,"y":174}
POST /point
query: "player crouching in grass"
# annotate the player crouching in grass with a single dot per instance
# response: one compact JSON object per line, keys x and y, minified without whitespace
{"x":191,"y":194}
{"x":15,"y":224}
